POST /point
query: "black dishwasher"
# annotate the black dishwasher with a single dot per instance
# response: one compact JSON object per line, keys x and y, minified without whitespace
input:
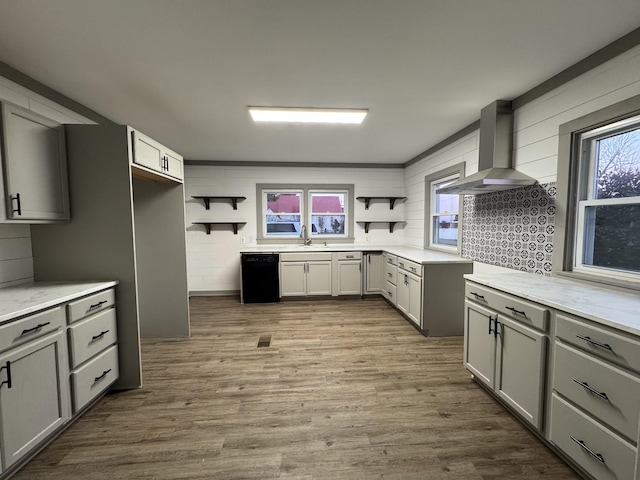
{"x":260,"y":282}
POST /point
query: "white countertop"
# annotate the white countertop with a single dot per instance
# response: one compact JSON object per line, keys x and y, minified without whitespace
{"x":28,"y":298}
{"x":608,"y":307}
{"x":414,"y":254}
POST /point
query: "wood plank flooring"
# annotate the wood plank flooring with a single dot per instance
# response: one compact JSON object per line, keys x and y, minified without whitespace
{"x":347,"y":390}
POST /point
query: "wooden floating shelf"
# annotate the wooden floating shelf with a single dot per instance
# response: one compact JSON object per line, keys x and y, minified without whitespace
{"x":207,"y":225}
{"x":392,"y":224}
{"x":207,"y":200}
{"x":392,"y":201}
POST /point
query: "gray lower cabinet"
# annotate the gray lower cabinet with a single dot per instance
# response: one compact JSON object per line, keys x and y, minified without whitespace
{"x":595,"y":404}
{"x":347,"y":270}
{"x":53,"y":365}
{"x":506,"y":354}
{"x":305,"y":274}
{"x":34,"y":168}
{"x":33,"y":384}
{"x":373,"y":270}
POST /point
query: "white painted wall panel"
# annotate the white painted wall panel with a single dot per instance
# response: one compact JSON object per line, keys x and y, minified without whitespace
{"x":214,"y":260}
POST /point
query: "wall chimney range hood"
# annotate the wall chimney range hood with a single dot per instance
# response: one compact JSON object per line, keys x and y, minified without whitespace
{"x":494,"y":163}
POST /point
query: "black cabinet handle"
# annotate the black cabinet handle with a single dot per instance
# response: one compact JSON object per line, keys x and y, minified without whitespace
{"x":477,"y":295}
{"x":96,"y":305}
{"x":517,"y":312}
{"x":583,"y":445}
{"x":7,"y":367}
{"x":37,"y":327}
{"x":586,"y":386}
{"x":99,"y":336}
{"x":104,"y":374}
{"x":18,"y":209}
{"x":606,"y":346}
{"x":490,"y":321}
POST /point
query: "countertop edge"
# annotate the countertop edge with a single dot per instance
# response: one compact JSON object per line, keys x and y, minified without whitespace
{"x":38,"y":296}
{"x":618,"y":304}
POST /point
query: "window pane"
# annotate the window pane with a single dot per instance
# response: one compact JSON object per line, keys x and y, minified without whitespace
{"x":445,"y":230}
{"x":618,"y":165}
{"x":327,"y":224}
{"x":327,"y":203}
{"x":283,"y":203}
{"x":283,"y":213}
{"x":616,"y":237}
{"x":446,"y":203}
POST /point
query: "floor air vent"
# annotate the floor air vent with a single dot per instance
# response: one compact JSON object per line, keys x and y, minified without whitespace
{"x":264,"y":341}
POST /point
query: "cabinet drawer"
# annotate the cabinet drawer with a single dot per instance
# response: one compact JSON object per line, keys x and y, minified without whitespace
{"x":91,"y":336}
{"x":615,"y":399}
{"x":617,"y":457}
{"x":518,"y":308}
{"x":410,"y":266}
{"x":28,"y":328}
{"x":349,"y":255}
{"x":94,"y":377}
{"x":90,"y":305}
{"x":605,"y":343}
{"x":389,"y":291}
{"x":390,"y":273}
{"x":304,"y":256}
{"x":390,"y":259}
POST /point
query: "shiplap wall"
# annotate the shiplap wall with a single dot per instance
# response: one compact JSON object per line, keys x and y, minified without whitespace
{"x":535,"y":132}
{"x":16,"y":260}
{"x":213,"y":260}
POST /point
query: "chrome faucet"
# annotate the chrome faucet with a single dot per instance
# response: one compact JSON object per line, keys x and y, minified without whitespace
{"x":304,"y":235}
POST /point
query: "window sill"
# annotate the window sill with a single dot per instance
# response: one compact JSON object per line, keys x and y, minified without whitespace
{"x":605,"y":281}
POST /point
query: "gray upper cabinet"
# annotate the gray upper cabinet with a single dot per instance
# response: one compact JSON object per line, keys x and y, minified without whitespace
{"x":34,"y":168}
{"x":156,"y":160}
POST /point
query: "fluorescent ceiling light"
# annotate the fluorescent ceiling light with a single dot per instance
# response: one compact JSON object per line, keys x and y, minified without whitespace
{"x":307,"y":115}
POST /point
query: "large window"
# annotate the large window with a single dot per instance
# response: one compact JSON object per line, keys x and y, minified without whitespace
{"x":598,"y":215}
{"x":608,"y":203}
{"x":287,"y":213}
{"x":443,"y":219}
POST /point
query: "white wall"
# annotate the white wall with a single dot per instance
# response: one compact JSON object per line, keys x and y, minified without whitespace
{"x":16,"y":261}
{"x":535,"y":134}
{"x":213,"y":260}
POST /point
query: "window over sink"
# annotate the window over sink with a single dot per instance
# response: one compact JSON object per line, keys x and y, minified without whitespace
{"x":288,"y":212}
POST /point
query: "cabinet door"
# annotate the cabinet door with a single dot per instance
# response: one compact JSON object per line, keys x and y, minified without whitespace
{"x":402,"y":292}
{"x":35,"y":167}
{"x":374,"y":268}
{"x":349,"y":277}
{"x":319,"y":277}
{"x":35,"y":403}
{"x":520,"y":362}
{"x":173,"y":163}
{"x":293,"y":279}
{"x":415,"y":299}
{"x":147,"y":152}
{"x":479,"y":342}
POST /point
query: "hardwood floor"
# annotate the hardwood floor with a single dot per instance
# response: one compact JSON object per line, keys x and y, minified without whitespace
{"x":347,"y":390}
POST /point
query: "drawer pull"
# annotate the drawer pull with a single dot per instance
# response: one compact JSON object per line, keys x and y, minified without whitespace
{"x":7,"y":367}
{"x":390,"y":294}
{"x":390,"y":274}
{"x":350,"y":256}
{"x":586,"y":386}
{"x":606,"y":346}
{"x":517,"y":312}
{"x":96,"y":305}
{"x":413,"y":269}
{"x":583,"y":445}
{"x":477,"y":295}
{"x":33,"y":329}
{"x":104,"y":374}
{"x":99,"y":336}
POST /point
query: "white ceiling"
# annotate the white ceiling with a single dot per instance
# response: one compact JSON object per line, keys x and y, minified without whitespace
{"x":184,"y":71}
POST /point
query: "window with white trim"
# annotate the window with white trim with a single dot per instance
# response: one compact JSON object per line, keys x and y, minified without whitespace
{"x":607,"y":230}
{"x":442,"y":212}
{"x":289,"y":212}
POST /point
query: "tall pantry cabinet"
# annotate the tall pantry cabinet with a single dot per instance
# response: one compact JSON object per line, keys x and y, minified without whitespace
{"x":127,"y":224}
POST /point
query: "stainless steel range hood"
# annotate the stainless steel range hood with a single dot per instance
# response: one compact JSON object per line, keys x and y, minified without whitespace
{"x":494,"y":163}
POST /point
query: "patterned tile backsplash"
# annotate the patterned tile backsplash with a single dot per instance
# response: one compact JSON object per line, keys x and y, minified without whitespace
{"x":512,"y":228}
